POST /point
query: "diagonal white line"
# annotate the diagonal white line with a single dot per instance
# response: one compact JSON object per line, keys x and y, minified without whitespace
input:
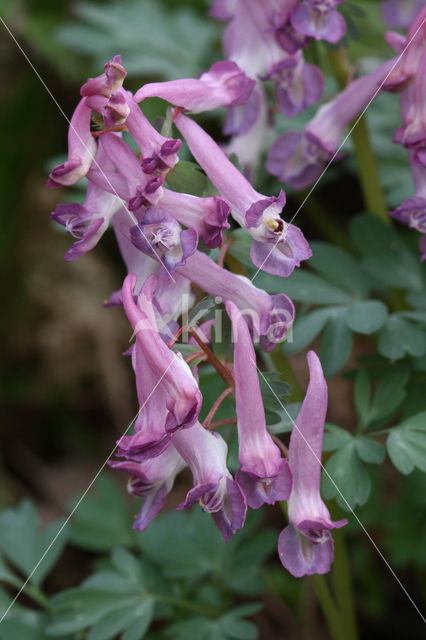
{"x":344,"y":140}
{"x":82,"y":142}
{"x":95,"y":477}
{"x":344,"y":499}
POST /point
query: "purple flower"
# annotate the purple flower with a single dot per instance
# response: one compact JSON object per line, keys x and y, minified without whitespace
{"x":108,"y":82}
{"x":268,"y":317}
{"x":81,"y":149}
{"x":89,"y":221}
{"x":168,"y":393}
{"x":129,"y":181}
{"x":205,"y":453}
{"x":413,"y":107}
{"x":399,"y":14}
{"x":305,"y":546}
{"x":152,"y":480}
{"x":319,"y":19}
{"x":298,"y":158}
{"x":264,"y":475}
{"x":159,"y":235}
{"x":277,"y":247}
{"x":412,"y":211}
{"x":208,"y":216}
{"x":297,"y":84}
{"x":224,"y":84}
{"x":408,"y":63}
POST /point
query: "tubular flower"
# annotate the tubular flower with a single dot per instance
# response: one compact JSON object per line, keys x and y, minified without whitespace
{"x":277,"y":247}
{"x":160,"y":235}
{"x":81,"y":149}
{"x":411,"y":52}
{"x":269,"y":317}
{"x":305,"y":546}
{"x":298,"y":158}
{"x":264,"y":475}
{"x":108,"y":82}
{"x":167,"y":391}
{"x":223,"y":85}
{"x":319,"y":19}
{"x":413,"y":107}
{"x":152,"y":480}
{"x":129,"y":182}
{"x":205,"y":454}
{"x":208,"y":216}
{"x":412,"y":211}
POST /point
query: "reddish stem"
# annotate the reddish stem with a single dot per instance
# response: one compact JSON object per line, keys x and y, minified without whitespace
{"x":175,"y":337}
{"x":215,"y":406}
{"x":194,"y":356}
{"x":220,"y":423}
{"x":281,"y":445}
{"x":222,"y":253}
{"x":121,"y":127}
{"x":176,"y":112}
{"x":222,"y":370}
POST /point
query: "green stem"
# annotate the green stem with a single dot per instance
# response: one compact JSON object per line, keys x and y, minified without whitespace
{"x":343,"y":586}
{"x":368,"y":172}
{"x":37,"y":596}
{"x":367,"y":167}
{"x":282,"y":365}
{"x":328,"y":607}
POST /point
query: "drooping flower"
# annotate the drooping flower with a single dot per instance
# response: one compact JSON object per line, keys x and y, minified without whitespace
{"x":108,"y":82}
{"x":399,"y":14}
{"x":269,"y":317}
{"x":159,"y":235}
{"x":298,"y":158}
{"x":264,"y":475}
{"x":319,"y":19}
{"x":128,"y":181}
{"x":406,"y":68}
{"x":81,"y":149}
{"x":305,"y":546}
{"x":277,"y":247}
{"x":205,"y":453}
{"x":413,"y":108}
{"x":223,"y":85}
{"x":412,"y":211}
{"x":208,"y":216}
{"x":168,"y":394}
{"x":152,"y":480}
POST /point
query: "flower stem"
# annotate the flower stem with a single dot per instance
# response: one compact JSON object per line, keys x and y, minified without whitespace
{"x":328,"y":607}
{"x":367,"y":167}
{"x":343,"y":586}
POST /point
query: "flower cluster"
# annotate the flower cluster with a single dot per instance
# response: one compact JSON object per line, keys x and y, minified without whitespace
{"x":266,"y":39}
{"x":410,"y":80}
{"x":158,"y":231}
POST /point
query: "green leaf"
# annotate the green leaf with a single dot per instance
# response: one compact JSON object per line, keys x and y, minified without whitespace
{"x":137,"y":629}
{"x":386,"y":258}
{"x":350,"y":480}
{"x":370,"y":450}
{"x":287,"y":418}
{"x":187,"y":177}
{"x":102,"y":520}
{"x":306,"y":328}
{"x":366,"y":316}
{"x":336,"y":345}
{"x":400,"y":337}
{"x":406,"y":444}
{"x":340,"y":267}
{"x":123,"y":618}
{"x":303,"y":286}
{"x":15,"y":629}
{"x":25,"y":545}
{"x":335,"y":437}
{"x":362,"y":394}
{"x":389,"y":393}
